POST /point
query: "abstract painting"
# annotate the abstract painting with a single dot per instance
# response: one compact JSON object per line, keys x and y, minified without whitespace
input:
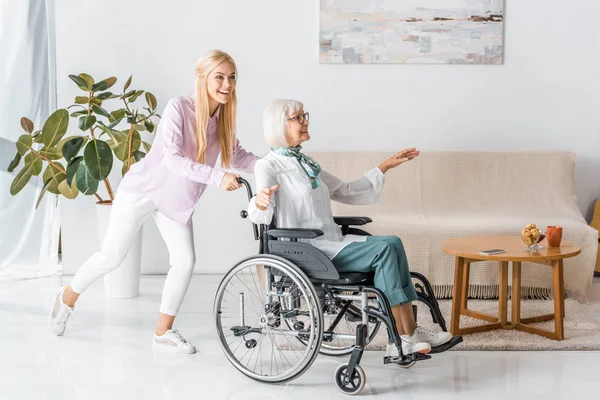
{"x":411,"y":32}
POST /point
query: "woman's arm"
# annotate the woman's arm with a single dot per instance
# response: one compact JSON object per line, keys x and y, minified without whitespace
{"x":265,"y":178}
{"x":243,"y":160}
{"x":365,"y":190}
{"x":171,"y":125}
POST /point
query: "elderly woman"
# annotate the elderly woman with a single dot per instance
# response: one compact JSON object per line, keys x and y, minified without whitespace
{"x":295,"y":190}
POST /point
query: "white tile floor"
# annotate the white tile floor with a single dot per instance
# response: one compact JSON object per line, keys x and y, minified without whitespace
{"x":107,"y":354}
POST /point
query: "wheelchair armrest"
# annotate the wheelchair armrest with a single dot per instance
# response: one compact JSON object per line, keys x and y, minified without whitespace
{"x":295,"y":233}
{"x":347,"y":221}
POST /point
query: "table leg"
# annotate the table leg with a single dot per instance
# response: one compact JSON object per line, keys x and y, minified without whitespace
{"x":465,"y":288}
{"x":559,"y":298}
{"x":516,"y":293}
{"x":457,"y":295}
{"x":503,"y":292}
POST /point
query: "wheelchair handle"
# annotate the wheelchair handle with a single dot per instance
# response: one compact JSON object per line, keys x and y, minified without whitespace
{"x":244,"y":213}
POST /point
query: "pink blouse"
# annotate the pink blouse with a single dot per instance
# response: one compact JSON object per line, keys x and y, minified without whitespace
{"x":169,"y":174}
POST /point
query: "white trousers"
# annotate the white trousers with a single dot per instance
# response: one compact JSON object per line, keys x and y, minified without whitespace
{"x":129,"y":211}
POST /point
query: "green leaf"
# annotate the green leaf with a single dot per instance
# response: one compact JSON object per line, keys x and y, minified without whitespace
{"x":137,"y":94}
{"x":71,"y":148}
{"x":72,"y":168}
{"x":117,"y":115}
{"x":89,"y":81}
{"x":98,"y":159}
{"x":105,"y":84}
{"x":128,"y":94}
{"x":21,"y":179}
{"x":24,"y":144}
{"x":14,"y":163}
{"x":146,"y":146}
{"x":82,"y":84}
{"x":104,"y":95}
{"x":138,"y":155}
{"x":51,"y":153}
{"x":96,"y":101}
{"x":115,"y":96}
{"x":42,"y":193}
{"x":36,"y":163}
{"x":69,"y":191}
{"x":81,"y":100}
{"x":86,"y":122}
{"x":151,"y":100}
{"x":85,"y":181}
{"x":37,"y":136}
{"x":100,"y":111}
{"x":27,"y":125}
{"x":122,"y":148}
{"x":127,"y":83}
{"x":55,"y":127}
{"x":107,"y":130}
{"x":76,"y":105}
{"x":55,"y":175}
{"x":79,"y":114}
{"x":139,"y":127}
{"x":149,"y":125}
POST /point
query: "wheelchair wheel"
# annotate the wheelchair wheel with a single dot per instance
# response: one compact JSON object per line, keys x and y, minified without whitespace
{"x":350,"y":385}
{"x":251,"y":302}
{"x":346,"y":326}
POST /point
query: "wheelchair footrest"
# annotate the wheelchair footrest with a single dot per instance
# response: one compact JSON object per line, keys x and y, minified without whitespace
{"x":406,"y":359}
{"x":446,"y":346}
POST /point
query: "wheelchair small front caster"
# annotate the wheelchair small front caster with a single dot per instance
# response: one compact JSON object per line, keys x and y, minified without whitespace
{"x":350,"y":385}
{"x":250,"y":344}
{"x":406,"y":365}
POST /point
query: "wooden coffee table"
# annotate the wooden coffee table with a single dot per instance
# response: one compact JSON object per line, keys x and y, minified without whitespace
{"x":466,"y":250}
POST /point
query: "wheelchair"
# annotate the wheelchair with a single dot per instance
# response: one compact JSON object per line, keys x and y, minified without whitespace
{"x":277,"y":310}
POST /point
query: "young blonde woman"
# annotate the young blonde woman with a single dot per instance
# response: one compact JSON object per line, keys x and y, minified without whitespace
{"x":166,"y":185}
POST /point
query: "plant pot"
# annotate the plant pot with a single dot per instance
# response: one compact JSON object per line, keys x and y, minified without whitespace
{"x":123,"y":282}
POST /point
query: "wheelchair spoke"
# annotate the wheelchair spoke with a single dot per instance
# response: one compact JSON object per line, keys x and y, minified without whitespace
{"x":267,"y":308}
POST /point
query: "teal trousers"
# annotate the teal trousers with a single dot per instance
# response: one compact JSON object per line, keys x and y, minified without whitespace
{"x":385,"y":256}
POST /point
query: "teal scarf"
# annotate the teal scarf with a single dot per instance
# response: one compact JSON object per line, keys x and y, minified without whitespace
{"x":310,"y":166}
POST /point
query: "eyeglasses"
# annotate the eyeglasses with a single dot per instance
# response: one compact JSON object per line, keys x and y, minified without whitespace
{"x":300,"y":118}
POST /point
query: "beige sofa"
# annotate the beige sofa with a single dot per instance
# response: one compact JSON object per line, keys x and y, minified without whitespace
{"x":443,"y":195}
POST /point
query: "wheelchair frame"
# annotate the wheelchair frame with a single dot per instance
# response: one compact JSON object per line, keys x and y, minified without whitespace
{"x":307,"y":266}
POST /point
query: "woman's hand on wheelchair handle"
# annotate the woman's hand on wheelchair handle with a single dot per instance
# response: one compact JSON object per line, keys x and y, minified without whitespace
{"x":263,"y":198}
{"x":230,"y":182}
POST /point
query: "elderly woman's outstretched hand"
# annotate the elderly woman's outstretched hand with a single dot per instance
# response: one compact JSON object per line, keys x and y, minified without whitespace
{"x":398,"y":158}
{"x":263,"y":198}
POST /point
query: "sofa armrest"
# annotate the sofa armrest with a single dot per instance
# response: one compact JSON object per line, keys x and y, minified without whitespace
{"x":295,"y":233}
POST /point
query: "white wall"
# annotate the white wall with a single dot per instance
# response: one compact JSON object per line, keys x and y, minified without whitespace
{"x":545,"y":96}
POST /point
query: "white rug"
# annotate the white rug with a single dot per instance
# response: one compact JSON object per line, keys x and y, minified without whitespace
{"x":582,"y":329}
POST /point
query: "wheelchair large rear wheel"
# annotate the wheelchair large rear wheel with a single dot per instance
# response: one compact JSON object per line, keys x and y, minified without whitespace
{"x":251,"y":305}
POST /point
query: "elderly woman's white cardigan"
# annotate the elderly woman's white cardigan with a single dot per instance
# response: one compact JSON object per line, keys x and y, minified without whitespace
{"x":297,"y":205}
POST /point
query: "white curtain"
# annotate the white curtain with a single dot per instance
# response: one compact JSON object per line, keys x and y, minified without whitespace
{"x":28,"y":237}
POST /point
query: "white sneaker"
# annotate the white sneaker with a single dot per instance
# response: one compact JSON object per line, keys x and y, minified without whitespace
{"x":60,"y":314}
{"x":433,"y":338}
{"x":408,"y":347}
{"x":174,"y":342}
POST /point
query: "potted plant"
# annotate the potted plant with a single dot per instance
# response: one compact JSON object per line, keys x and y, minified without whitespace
{"x":80,"y":163}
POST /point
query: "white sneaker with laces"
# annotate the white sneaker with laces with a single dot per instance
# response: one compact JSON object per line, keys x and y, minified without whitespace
{"x":433,"y":338}
{"x":174,"y":342}
{"x":60,"y":314}
{"x":408,"y":347}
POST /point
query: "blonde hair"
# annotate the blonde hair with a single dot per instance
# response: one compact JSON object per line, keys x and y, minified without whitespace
{"x":275,"y":121}
{"x":227,"y":113}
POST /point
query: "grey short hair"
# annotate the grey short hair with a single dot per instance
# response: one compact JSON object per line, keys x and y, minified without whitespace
{"x":275,"y":121}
